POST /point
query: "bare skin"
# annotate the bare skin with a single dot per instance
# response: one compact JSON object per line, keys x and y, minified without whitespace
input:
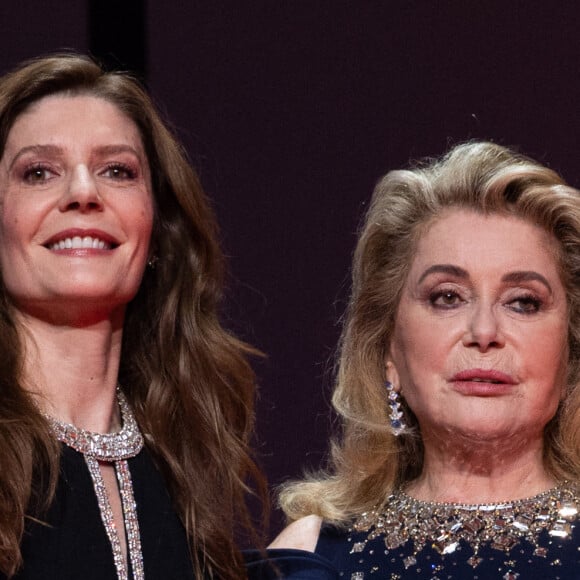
{"x":489,"y":471}
{"x":74,"y":171}
{"x":299,"y":535}
{"x":479,"y":353}
{"x":77,"y":368}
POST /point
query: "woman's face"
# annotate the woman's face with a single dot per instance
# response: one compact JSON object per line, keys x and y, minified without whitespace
{"x":480,"y":339}
{"x":76,"y":208}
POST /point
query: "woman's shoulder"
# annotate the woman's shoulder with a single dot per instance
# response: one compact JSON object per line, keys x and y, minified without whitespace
{"x":301,"y":534}
{"x":292,"y":555}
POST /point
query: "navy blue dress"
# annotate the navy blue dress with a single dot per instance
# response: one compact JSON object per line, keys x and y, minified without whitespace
{"x":294,"y":564}
{"x":341,"y":549}
{"x":344,"y":555}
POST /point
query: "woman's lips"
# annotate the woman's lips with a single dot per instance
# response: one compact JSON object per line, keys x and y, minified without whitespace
{"x":75,"y":241}
{"x":483,"y":383}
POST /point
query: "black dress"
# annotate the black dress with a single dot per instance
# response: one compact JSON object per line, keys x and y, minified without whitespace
{"x":74,"y":545}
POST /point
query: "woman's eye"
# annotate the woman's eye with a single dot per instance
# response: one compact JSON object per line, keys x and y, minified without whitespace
{"x":119,"y":171}
{"x":445,"y":299}
{"x":525,"y":304}
{"x":37,"y":174}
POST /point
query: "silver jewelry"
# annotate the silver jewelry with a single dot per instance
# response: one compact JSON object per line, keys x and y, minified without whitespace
{"x":398,"y":425}
{"x":113,"y":448}
{"x":442,"y":526}
{"x":107,"y":447}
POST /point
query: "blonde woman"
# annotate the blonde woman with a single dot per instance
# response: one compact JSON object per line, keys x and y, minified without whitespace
{"x":457,"y":382}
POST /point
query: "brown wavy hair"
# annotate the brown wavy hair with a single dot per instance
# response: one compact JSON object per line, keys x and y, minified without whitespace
{"x":367,"y":462}
{"x":187,"y":379}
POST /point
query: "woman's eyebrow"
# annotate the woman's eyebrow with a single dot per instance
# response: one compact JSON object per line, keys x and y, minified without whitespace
{"x":114,"y":148}
{"x":52,"y":150}
{"x":526,"y":276}
{"x":444,"y":269}
{"x":57,"y":151}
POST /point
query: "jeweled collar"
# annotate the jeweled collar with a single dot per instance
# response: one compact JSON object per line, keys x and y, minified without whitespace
{"x":442,"y":526}
{"x":103,"y":446}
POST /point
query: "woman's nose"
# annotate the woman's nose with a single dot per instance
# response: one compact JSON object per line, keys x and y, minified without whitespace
{"x":81,"y":192}
{"x":483,"y":329}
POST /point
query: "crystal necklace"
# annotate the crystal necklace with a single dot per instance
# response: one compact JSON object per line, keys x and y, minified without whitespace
{"x":443,"y":525}
{"x":113,"y":448}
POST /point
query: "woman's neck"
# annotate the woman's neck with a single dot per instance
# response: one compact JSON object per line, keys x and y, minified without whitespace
{"x":481,"y":471}
{"x":72,"y":370}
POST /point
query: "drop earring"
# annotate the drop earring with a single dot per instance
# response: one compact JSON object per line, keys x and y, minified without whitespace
{"x":397,"y":424}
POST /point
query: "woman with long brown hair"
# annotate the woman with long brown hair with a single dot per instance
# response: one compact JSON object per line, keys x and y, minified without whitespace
{"x":125,"y":407}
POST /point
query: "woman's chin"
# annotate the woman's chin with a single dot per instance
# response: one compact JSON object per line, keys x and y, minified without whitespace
{"x":75,"y":307}
{"x":480,"y":429}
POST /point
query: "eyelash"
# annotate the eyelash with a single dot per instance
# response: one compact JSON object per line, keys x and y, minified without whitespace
{"x":525,"y":301}
{"x":30,"y":174}
{"x":32,"y":171}
{"x":129,"y":172}
{"x":436,"y":295}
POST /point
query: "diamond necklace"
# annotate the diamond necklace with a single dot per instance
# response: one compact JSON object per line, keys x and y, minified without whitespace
{"x":113,"y":448}
{"x":443,"y":525}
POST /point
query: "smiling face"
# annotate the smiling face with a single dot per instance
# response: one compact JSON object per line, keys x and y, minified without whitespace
{"x":480,"y":338}
{"x":76,"y":208}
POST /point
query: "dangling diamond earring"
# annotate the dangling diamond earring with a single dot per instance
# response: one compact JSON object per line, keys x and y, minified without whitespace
{"x":398,"y":426}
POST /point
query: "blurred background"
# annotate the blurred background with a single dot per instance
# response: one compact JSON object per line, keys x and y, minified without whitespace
{"x":291,"y":111}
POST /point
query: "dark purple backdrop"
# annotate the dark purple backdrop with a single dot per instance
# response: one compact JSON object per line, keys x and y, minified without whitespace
{"x":291,"y":110}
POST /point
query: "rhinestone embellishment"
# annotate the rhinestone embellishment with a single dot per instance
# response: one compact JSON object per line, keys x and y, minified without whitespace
{"x":113,"y":448}
{"x":442,"y":526}
{"x":103,"y":446}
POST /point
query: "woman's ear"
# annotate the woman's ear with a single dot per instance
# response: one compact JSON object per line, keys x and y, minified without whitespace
{"x":392,"y":375}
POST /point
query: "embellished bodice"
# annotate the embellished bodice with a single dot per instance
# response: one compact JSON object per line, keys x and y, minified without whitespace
{"x":78,"y":537}
{"x":70,"y":542}
{"x":535,"y":538}
{"x":114,"y":449}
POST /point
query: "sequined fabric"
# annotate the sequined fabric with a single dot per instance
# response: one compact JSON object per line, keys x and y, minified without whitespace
{"x":536,"y":538}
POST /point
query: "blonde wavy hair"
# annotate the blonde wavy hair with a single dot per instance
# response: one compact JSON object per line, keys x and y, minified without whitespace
{"x":367,"y":462}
